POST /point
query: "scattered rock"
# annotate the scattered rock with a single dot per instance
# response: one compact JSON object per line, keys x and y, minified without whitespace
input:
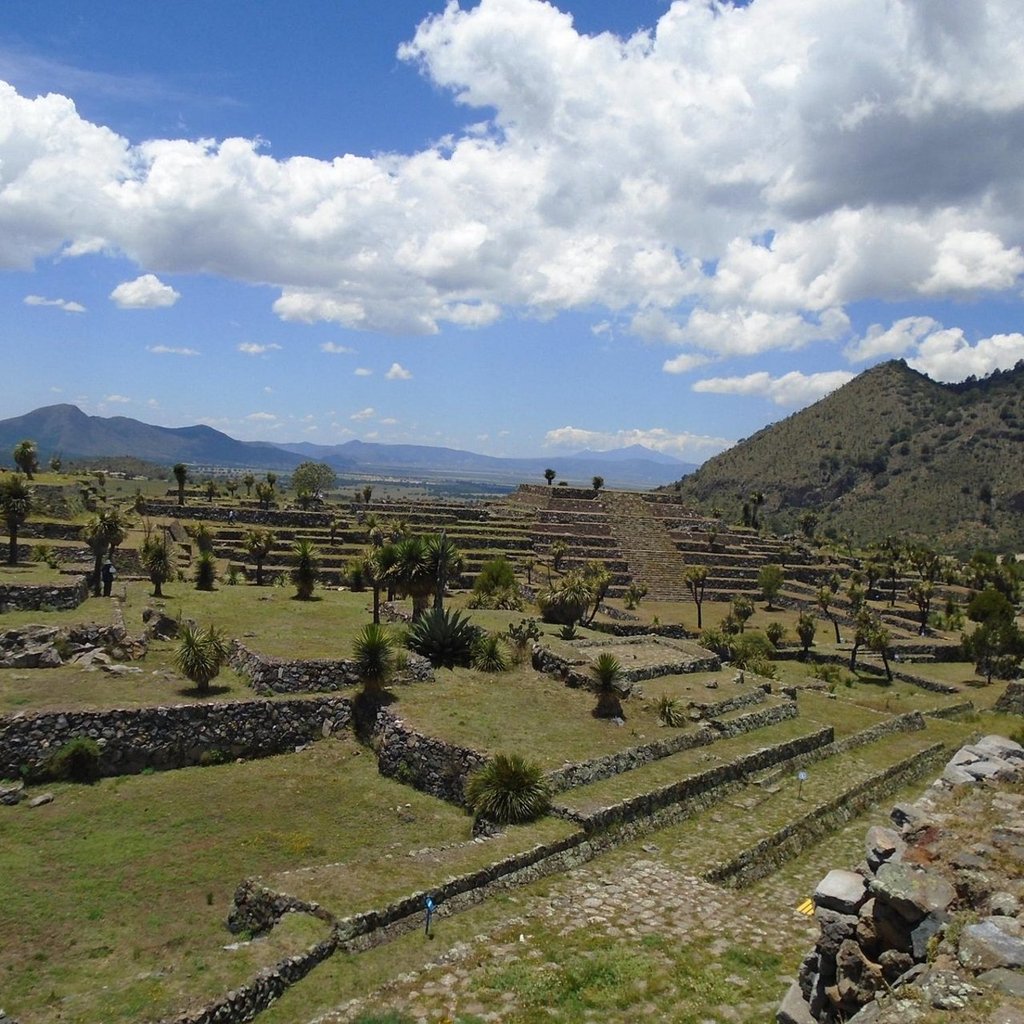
{"x":842,"y":891}
{"x":987,"y":945}
{"x":39,"y":801}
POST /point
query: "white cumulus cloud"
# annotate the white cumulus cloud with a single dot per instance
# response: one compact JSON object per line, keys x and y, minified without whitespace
{"x":67,"y":305}
{"x":398,"y":372}
{"x":145,"y":292}
{"x":252,"y":348}
{"x":337,"y":350}
{"x":364,"y":414}
{"x":793,"y":389}
{"x":170,"y":350}
{"x":683,"y":445}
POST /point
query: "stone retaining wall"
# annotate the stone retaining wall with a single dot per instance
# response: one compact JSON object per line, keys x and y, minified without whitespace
{"x":268,"y":675}
{"x":763,"y":858}
{"x":133,"y":739}
{"x":696,"y":786}
{"x":43,"y":596}
{"x":581,"y":773}
{"x":248,"y":516}
{"x":424,"y":762}
{"x":1012,"y":700}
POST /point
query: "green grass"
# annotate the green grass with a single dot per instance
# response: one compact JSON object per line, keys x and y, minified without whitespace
{"x":122,"y":887}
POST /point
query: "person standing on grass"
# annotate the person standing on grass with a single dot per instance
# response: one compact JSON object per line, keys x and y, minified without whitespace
{"x":109,"y":573}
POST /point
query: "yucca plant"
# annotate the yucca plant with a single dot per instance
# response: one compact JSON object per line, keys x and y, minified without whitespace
{"x":490,"y":654}
{"x":373,"y":652}
{"x":206,"y":571}
{"x":306,"y":570}
{"x":444,"y":637}
{"x":671,"y":711}
{"x":607,"y":672}
{"x":508,"y":790}
{"x":200,"y":654}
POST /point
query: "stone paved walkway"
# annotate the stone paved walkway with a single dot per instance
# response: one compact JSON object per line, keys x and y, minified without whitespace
{"x":675,"y":934}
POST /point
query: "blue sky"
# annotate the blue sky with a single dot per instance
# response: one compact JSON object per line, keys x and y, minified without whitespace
{"x":511,"y":226}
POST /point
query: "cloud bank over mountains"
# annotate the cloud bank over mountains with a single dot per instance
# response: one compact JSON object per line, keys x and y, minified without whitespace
{"x":725,"y":184}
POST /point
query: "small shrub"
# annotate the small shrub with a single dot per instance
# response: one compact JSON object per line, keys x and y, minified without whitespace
{"x":355,"y":575}
{"x":208,"y":758}
{"x":490,"y":654}
{"x":200,"y":654}
{"x":508,"y":790}
{"x":77,"y":761}
{"x":568,"y":632}
{"x":234,"y":572}
{"x":671,"y":712}
{"x":634,"y":594}
{"x":831,"y":674}
{"x":775,"y":631}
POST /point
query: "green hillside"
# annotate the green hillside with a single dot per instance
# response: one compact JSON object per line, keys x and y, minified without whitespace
{"x":892,"y":452}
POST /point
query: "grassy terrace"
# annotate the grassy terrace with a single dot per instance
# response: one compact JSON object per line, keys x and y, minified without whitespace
{"x":679,"y":766}
{"x":122,"y":887}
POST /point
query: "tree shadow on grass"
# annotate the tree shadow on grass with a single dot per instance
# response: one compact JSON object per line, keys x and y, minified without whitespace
{"x":210,"y":691}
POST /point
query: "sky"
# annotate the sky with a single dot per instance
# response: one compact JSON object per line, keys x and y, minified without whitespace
{"x":510,"y":226}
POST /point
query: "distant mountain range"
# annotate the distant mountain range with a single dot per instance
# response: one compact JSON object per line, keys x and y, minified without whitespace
{"x":65,"y":429}
{"x":890,"y":453}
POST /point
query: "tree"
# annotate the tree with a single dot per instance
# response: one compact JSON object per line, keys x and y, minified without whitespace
{"x":247,"y":481}
{"x":756,"y":501}
{"x":598,"y":482}
{"x":373,"y":654}
{"x":264,"y":495}
{"x":271,"y":479}
{"x":156,"y":560}
{"x":806,"y":627}
{"x":769,"y":579}
{"x":200,"y":654}
{"x":26,"y":458}
{"x":990,"y":606}
{"x":306,"y":570}
{"x":742,"y":609}
{"x":607,"y":672}
{"x":558,"y":551}
{"x":808,"y":523}
{"x":825,"y":598}
{"x":211,"y":490}
{"x":56,"y":463}
{"x":599,"y":579}
{"x":367,"y":493}
{"x":231,"y":486}
{"x":411,"y":573}
{"x":921,"y":594}
{"x":444,"y":561}
{"x":696,"y":578}
{"x":102,"y":533}
{"x":180,"y":472}
{"x":259,"y":544}
{"x":996,"y":647}
{"x":205,"y":571}
{"x":380,"y":565}
{"x":15,"y":507}
{"x":567,"y":601}
{"x":315,"y":478}
{"x":549,"y":475}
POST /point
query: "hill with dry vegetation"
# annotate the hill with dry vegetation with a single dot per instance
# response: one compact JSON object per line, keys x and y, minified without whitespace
{"x":891,"y":453}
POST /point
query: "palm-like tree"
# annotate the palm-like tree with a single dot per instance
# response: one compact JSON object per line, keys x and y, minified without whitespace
{"x":825,"y":599}
{"x":180,"y":472}
{"x":444,"y":561}
{"x":549,"y":475}
{"x":597,"y":482}
{"x":156,"y":560}
{"x":373,"y":653}
{"x":15,"y":506}
{"x":380,"y":567}
{"x":200,"y":654}
{"x":306,"y":570}
{"x":247,"y":481}
{"x":259,"y":544}
{"x":102,"y":533}
{"x":607,"y":672}
{"x":412,"y":574}
{"x":26,"y":458}
{"x":696,"y":578}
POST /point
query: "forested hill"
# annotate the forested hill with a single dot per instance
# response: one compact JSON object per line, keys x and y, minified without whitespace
{"x":892,"y":452}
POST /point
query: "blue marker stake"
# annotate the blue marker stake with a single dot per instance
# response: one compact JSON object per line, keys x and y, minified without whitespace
{"x":430,"y":911}
{"x":802,"y":776}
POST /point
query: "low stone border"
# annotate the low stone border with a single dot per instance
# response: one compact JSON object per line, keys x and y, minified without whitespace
{"x":1012,"y":700}
{"x":134,"y":739}
{"x":582,"y":772}
{"x":953,"y":711}
{"x":35,"y":597}
{"x":645,"y":804}
{"x":791,"y":840}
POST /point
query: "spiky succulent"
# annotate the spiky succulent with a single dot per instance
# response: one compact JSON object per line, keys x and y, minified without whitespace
{"x":508,"y":790}
{"x":445,"y":638}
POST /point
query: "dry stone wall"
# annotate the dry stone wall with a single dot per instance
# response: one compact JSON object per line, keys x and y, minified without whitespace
{"x":43,"y":596}
{"x":134,"y":739}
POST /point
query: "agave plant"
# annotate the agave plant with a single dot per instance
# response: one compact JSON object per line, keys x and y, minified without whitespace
{"x":445,"y":638}
{"x":206,"y":571}
{"x":490,"y":654}
{"x":671,"y":711}
{"x":508,"y":790}
{"x":200,"y":654}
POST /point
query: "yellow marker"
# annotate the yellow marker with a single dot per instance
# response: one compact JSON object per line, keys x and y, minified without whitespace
{"x":807,"y":907}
